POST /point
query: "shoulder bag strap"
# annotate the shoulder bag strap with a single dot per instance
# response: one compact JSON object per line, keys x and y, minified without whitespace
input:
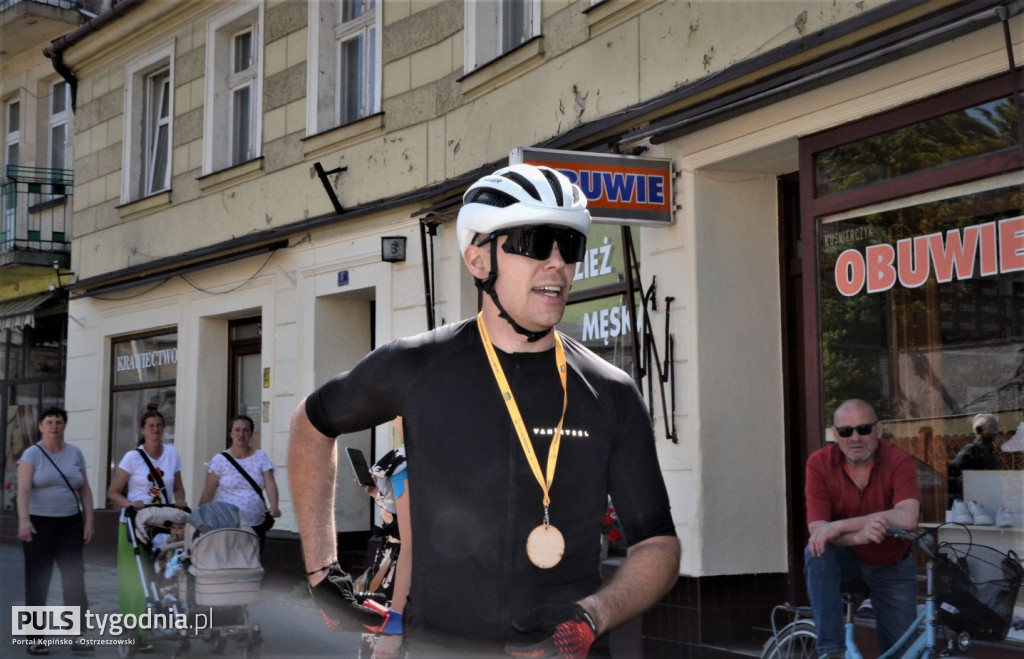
{"x":249,"y":478}
{"x":156,"y":474}
{"x":78,"y":501}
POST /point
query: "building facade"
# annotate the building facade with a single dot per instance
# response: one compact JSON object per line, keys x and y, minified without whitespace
{"x":265,"y":190}
{"x":36,"y":188}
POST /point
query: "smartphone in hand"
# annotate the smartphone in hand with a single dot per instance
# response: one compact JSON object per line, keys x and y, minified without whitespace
{"x":359,"y":467}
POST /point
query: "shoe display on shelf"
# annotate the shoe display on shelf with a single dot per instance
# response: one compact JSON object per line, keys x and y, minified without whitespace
{"x":980,"y":515}
{"x":1003,"y":517}
{"x":961,"y":514}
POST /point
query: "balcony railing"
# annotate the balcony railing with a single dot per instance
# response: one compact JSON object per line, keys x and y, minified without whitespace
{"x":36,"y":209}
{"x":62,"y":4}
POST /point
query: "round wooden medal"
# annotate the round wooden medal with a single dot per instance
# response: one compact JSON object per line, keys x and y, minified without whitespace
{"x":545,"y":546}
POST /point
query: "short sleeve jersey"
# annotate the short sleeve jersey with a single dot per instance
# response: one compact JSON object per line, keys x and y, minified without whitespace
{"x":234,"y":489}
{"x":476,"y":499}
{"x":51,"y":496}
{"x":141,"y":485}
{"x":832,"y":495}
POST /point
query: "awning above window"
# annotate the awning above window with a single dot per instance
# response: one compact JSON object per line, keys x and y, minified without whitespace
{"x":21,"y":311}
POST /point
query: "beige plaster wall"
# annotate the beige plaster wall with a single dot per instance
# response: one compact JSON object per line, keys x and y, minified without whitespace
{"x":431,"y":132}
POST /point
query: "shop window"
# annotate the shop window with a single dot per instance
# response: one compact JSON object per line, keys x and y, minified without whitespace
{"x":149,"y":100}
{"x":983,"y":129}
{"x":599,"y":314}
{"x":28,"y":385}
{"x":144,"y":374}
{"x":233,"y":104}
{"x":918,"y":219}
{"x":495,"y":28}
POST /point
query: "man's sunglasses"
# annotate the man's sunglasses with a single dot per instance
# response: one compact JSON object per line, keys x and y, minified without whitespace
{"x":536,"y":242}
{"x":863,"y":430}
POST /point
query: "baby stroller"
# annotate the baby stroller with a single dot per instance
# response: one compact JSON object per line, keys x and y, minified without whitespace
{"x":194,"y":587}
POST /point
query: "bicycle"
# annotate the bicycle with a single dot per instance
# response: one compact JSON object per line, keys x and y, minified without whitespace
{"x":973,"y":603}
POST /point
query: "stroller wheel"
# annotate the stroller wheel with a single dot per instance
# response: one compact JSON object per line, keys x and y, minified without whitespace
{"x":251,"y":650}
{"x":180,"y":650}
{"x":217,"y":643}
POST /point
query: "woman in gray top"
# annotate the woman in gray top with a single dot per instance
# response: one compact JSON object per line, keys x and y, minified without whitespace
{"x":54,"y":517}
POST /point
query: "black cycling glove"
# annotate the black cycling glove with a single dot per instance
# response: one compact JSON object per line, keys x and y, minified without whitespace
{"x":570,"y":629}
{"x":342,"y":608}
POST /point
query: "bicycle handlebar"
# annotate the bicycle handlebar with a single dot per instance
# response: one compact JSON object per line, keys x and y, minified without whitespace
{"x":921,"y":537}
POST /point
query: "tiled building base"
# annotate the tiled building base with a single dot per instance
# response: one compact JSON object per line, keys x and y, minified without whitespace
{"x":703,"y":615}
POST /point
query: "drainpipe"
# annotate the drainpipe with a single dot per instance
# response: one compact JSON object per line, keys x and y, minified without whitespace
{"x":55,"y":51}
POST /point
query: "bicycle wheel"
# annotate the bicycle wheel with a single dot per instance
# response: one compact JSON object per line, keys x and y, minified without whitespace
{"x":797,"y":640}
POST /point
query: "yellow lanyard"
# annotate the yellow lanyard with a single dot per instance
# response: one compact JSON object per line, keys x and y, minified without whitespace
{"x":517,"y":418}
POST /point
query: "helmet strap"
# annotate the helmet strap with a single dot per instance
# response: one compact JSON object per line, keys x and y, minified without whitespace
{"x":487,"y":286}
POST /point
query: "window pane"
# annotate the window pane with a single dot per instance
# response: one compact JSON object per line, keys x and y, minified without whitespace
{"x":241,"y":124}
{"x":22,"y":432}
{"x":151,"y":359}
{"x":159,"y":180}
{"x":14,"y":117}
{"x":12,"y":154}
{"x":513,"y":20}
{"x":58,"y":146}
{"x":351,"y":69}
{"x":922,"y":315}
{"x":59,"y":98}
{"x":127,"y":411}
{"x":46,"y":352}
{"x":604,"y":326}
{"x":242,"y":52}
{"x":351,"y":10}
{"x":979,"y":130}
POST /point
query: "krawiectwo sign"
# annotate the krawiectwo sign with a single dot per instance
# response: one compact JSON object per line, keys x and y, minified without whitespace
{"x":619,"y":189}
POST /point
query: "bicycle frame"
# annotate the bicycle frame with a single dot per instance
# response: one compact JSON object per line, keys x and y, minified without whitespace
{"x":912,"y":645}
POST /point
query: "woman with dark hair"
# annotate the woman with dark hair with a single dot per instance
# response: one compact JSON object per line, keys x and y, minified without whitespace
{"x":54,"y":517}
{"x":239,"y":476}
{"x":152,"y":471}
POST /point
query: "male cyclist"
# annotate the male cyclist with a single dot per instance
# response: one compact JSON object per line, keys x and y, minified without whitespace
{"x":856,"y":489}
{"x":515,"y":436}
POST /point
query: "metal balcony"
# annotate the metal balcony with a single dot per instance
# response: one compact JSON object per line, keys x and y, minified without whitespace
{"x":35,"y":215}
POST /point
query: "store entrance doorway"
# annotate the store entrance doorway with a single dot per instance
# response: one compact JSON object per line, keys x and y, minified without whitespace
{"x":245,"y":374}
{"x":794,"y":380}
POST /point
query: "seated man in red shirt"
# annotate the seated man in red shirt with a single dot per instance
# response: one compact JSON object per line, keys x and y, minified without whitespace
{"x":856,"y":489}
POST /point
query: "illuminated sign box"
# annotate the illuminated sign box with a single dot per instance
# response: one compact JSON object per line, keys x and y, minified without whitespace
{"x":619,"y":189}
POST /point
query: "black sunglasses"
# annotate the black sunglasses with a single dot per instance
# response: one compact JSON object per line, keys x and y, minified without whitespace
{"x":536,"y":242}
{"x":863,"y":430}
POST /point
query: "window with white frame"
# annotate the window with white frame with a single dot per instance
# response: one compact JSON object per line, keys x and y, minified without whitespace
{"x":12,"y":132}
{"x":233,"y":87}
{"x":345,"y":47}
{"x":148,"y":124}
{"x":60,"y":102}
{"x":12,"y":143}
{"x":497,"y":27}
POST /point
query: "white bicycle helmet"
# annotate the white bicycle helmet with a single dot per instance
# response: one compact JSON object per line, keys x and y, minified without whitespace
{"x":521,"y":195}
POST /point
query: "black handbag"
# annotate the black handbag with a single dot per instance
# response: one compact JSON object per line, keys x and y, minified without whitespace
{"x":268,"y":519}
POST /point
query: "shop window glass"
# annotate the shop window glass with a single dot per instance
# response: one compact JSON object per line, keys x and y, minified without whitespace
{"x":15,"y":351}
{"x":598,"y":314}
{"x":922,"y":315}
{"x":982,"y":129}
{"x":144,"y":369}
{"x":128,"y":408}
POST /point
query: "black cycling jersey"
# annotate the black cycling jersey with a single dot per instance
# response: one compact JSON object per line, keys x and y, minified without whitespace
{"x":473,"y":497}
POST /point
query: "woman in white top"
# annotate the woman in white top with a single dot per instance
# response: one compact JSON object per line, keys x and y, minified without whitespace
{"x":225,"y":482}
{"x":133,"y":471}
